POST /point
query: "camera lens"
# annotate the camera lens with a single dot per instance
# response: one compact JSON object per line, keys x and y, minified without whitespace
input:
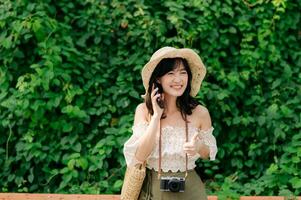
{"x":174,"y":185}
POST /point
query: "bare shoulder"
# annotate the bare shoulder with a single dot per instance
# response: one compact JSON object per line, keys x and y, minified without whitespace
{"x":141,"y":114}
{"x":202,"y":117}
{"x":200,"y":110}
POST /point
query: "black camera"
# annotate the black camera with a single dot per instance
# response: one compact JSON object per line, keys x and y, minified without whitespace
{"x":172,"y":184}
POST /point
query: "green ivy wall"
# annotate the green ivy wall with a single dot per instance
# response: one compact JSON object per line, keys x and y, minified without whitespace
{"x":70,"y":82}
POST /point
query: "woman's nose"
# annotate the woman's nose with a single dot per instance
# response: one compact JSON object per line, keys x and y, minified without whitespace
{"x":177,"y":79}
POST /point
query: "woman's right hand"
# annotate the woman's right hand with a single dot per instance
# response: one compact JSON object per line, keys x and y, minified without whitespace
{"x":157,"y":110}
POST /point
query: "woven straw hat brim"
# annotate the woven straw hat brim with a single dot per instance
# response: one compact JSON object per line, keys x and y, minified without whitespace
{"x":195,"y":63}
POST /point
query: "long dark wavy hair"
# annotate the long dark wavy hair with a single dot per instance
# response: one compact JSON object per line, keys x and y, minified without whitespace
{"x":185,"y":103}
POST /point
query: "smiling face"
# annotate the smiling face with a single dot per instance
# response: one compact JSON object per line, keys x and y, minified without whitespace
{"x":175,"y":81}
{"x":174,"y":77}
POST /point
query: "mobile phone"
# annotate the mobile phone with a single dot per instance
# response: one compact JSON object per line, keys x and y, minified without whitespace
{"x":160,"y":90}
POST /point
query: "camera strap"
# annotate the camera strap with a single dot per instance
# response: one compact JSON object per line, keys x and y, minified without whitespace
{"x":160,"y":150}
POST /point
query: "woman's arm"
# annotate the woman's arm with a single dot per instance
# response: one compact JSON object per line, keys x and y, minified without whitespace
{"x":204,"y":116}
{"x":148,"y":139}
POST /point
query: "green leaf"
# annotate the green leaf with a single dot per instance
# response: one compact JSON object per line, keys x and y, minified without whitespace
{"x":83,"y":163}
{"x":71,"y":164}
{"x":118,"y":184}
{"x":77,"y":147}
{"x":30,"y":178}
{"x":272,"y":169}
{"x":296,"y":182}
{"x":232,"y":30}
{"x":67,"y":127}
{"x":6,"y":43}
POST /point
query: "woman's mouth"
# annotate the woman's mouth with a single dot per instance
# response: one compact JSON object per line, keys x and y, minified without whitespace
{"x":177,"y":86}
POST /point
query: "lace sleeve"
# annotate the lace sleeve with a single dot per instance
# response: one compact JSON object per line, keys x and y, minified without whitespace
{"x":208,"y":139}
{"x":130,"y":146}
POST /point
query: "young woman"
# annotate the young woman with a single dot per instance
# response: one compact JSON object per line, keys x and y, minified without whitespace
{"x":171,"y":130}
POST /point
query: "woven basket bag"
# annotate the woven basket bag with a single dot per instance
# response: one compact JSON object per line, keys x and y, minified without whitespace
{"x":133,"y":180}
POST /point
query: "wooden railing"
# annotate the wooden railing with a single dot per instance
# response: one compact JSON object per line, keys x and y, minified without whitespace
{"x":28,"y":196}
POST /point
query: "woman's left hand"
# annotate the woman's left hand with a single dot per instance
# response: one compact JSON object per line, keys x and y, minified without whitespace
{"x":192,"y":147}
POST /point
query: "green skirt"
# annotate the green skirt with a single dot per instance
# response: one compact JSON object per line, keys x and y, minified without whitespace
{"x":194,"y":187}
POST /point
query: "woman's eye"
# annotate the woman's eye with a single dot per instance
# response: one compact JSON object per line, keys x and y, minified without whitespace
{"x":184,"y":72}
{"x":170,"y":73}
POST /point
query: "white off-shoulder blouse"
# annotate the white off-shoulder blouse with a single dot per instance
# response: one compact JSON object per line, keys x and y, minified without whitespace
{"x":173,"y":155}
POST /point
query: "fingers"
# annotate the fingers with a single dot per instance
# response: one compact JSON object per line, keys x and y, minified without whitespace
{"x":188,"y":145}
{"x":195,"y":137}
{"x":189,"y":148}
{"x":154,"y":96}
{"x":190,"y":153}
{"x":154,"y":90}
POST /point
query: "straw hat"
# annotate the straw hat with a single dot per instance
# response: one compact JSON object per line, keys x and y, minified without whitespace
{"x":195,"y":63}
